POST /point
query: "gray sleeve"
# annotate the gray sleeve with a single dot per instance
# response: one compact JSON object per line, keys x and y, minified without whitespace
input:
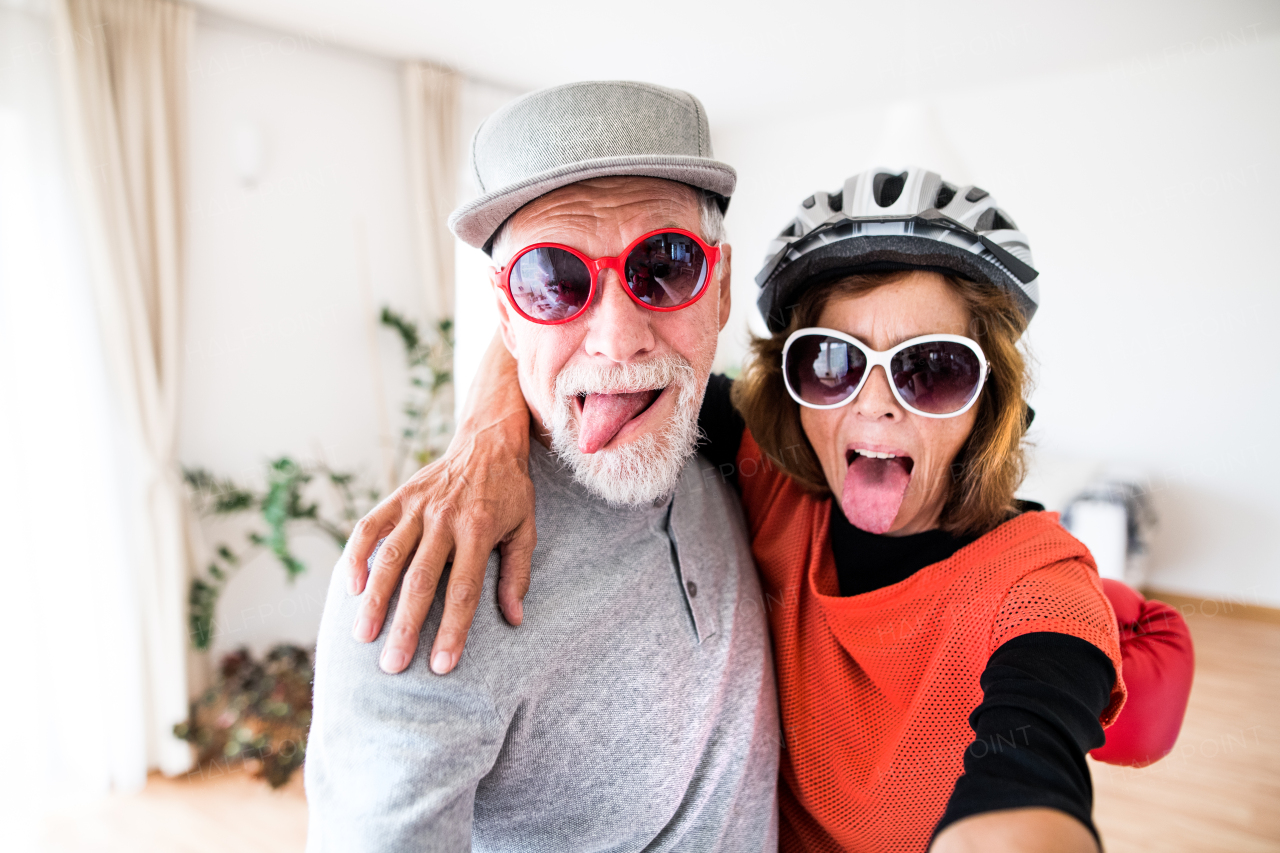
{"x":393,"y":761}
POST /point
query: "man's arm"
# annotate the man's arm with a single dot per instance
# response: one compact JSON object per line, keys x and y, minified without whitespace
{"x":392,"y":761}
{"x":477,"y":497}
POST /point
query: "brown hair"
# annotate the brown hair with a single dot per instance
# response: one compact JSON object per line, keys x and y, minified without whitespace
{"x":991,"y":463}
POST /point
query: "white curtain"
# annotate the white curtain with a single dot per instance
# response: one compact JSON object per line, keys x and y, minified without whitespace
{"x":77,"y":686}
{"x":431,"y":123}
{"x":124,"y":90}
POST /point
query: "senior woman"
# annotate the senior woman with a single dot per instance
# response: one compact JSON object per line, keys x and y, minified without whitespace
{"x":927,"y":625}
{"x":945,"y":654}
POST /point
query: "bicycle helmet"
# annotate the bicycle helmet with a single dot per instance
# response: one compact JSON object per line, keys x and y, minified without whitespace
{"x":882,"y":220}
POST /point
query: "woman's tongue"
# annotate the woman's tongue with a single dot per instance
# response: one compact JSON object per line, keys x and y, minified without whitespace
{"x":873,"y":492}
{"x":604,"y":414}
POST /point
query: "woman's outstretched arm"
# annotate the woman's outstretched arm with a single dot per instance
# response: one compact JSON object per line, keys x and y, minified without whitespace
{"x":1016,"y":831}
{"x":1043,"y":696}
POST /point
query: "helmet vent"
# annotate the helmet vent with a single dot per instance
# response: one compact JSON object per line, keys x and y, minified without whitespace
{"x":886,"y":188}
{"x":808,"y":202}
{"x":836,"y":202}
{"x":946,"y":192}
{"x":993,"y":219}
{"x":975,"y":194}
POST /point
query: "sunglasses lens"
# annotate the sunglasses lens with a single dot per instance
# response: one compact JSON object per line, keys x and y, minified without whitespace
{"x":823,"y":370}
{"x":550,"y":284}
{"x":937,"y":377}
{"x":667,"y":270}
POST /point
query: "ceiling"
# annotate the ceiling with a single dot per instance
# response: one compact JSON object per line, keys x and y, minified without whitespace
{"x":744,"y":57}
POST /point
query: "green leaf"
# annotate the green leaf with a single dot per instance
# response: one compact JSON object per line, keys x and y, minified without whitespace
{"x":232,"y":499}
{"x":202,"y":599}
{"x":408,"y":329}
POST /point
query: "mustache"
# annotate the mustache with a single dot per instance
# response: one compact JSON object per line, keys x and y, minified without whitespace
{"x":658,"y":372}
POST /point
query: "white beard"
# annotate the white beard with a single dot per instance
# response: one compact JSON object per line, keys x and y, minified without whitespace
{"x":648,"y":467}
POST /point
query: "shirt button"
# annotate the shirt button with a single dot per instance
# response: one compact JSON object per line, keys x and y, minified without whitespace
{"x":693,"y":589}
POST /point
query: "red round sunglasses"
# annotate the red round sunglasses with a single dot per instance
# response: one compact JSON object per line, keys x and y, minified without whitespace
{"x":664,"y":270}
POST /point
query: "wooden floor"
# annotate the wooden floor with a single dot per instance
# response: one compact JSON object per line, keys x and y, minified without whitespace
{"x":1218,"y":791}
{"x":223,"y":812}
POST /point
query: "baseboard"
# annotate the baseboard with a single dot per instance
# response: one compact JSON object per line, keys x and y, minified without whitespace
{"x":1206,"y":606}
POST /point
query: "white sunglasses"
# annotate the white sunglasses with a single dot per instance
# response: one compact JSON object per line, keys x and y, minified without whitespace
{"x":934,"y":376}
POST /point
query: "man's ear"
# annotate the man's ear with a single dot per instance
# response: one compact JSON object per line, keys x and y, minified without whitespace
{"x":726,"y":295}
{"x":504,"y":312}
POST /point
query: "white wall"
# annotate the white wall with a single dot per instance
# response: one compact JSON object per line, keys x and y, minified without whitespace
{"x":474,"y":305}
{"x":1148,"y":189}
{"x":279,"y":356}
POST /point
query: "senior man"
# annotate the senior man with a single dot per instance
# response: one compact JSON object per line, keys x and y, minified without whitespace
{"x":635,"y":709}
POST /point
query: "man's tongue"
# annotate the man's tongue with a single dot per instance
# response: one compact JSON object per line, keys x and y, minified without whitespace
{"x":873,"y":491}
{"x":604,"y":414}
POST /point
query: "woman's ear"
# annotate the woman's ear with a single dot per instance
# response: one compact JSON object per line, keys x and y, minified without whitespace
{"x":726,"y":294}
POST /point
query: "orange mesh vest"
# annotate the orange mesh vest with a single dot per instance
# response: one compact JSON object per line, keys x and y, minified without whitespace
{"x":876,"y":689}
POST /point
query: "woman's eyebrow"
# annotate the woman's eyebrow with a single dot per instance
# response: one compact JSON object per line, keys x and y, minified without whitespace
{"x":895,"y":341}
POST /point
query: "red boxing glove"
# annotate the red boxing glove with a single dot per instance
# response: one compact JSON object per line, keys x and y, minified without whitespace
{"x":1158,"y":661}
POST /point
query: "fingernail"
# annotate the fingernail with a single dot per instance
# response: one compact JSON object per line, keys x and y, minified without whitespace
{"x":393,"y":660}
{"x":441,"y":663}
{"x":517,"y":610}
{"x":364,"y":629}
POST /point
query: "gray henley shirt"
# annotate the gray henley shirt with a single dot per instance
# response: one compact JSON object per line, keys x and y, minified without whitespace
{"x":634,"y":710}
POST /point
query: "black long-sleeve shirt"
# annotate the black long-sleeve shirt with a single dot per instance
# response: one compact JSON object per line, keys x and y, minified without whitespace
{"x":1042,"y":692}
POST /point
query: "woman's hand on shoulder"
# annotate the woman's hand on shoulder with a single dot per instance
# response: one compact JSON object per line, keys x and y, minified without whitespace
{"x":475,"y":498}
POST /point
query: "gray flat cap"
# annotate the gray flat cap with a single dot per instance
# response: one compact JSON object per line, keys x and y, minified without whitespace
{"x":555,"y":137}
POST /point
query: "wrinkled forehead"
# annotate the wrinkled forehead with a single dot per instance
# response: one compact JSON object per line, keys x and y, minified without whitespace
{"x":600,"y":216}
